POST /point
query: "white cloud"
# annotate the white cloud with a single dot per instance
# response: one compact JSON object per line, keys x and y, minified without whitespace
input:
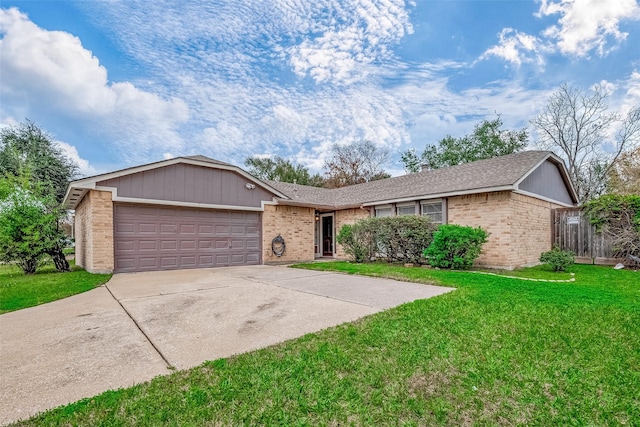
{"x":51,"y":72}
{"x":631,"y":98}
{"x":583,"y":26}
{"x":84,"y":168}
{"x":517,"y":47}
{"x":586,"y":25}
{"x":360,"y":32}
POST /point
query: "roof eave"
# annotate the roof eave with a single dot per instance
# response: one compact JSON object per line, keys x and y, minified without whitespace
{"x":441,"y":195}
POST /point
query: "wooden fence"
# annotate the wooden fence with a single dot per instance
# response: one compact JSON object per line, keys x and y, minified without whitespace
{"x":572,"y":231}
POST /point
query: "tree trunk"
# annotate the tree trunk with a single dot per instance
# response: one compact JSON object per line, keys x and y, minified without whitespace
{"x":28,"y":265}
{"x":59,"y":259}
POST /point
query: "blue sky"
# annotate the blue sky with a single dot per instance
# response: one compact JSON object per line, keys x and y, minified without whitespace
{"x":120,"y":83}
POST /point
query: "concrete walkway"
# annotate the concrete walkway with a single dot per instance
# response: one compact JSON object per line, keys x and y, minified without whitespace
{"x":141,"y":325}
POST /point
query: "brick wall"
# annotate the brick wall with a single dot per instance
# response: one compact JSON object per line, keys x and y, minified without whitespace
{"x":94,"y":232}
{"x":519,"y":226}
{"x":531,"y":229}
{"x":347,"y":216}
{"x":296,"y":225}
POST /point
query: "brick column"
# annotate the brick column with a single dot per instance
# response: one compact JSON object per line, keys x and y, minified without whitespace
{"x":94,"y":232}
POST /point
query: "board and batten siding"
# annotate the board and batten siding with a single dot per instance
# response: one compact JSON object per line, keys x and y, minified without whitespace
{"x":190,"y":183}
{"x":546,"y":181}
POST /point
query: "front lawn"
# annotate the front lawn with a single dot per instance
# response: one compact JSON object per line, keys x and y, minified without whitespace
{"x":18,"y":290}
{"x":497,"y":351}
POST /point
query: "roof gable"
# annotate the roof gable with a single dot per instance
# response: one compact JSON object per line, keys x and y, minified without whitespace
{"x":78,"y":188}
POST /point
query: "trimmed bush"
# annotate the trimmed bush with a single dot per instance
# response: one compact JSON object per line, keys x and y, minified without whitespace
{"x":455,"y":246}
{"x":558,"y":259}
{"x":394,"y":239}
{"x":353,"y":245}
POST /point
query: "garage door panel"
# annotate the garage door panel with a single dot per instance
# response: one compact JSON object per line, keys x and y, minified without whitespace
{"x":125,"y":227}
{"x":148,"y":263}
{"x":205,"y":229}
{"x":125,"y":246}
{"x":148,"y":245}
{"x":155,"y":238}
{"x":188,"y":261}
{"x":168,"y":245}
{"x":238,"y":244}
{"x":169,"y":262}
{"x":124,"y":263}
{"x":222,"y":230}
{"x":147,"y":228}
{"x":168,"y":229}
{"x":187,"y":245}
{"x":187,"y":229}
{"x":205,"y":260}
{"x":205,"y":244}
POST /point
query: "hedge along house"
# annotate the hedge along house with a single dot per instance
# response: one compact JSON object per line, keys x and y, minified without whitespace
{"x":195,"y":212}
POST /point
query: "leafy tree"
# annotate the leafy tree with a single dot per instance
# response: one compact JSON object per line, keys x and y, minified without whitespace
{"x":279,"y":169}
{"x":578,"y":124}
{"x":27,"y":150}
{"x":29,"y":230}
{"x":617,"y":217}
{"x":355,"y":163}
{"x":34,"y":166}
{"x":624,"y":177}
{"x":487,"y":140}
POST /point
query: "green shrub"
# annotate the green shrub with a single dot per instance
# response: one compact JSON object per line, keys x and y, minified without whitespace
{"x":558,"y":259}
{"x":394,"y":239}
{"x":455,"y":246}
{"x":353,"y":246}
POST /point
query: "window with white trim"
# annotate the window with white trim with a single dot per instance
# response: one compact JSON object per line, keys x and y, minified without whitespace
{"x":406,"y":209}
{"x":382,"y":211}
{"x":432,"y":209}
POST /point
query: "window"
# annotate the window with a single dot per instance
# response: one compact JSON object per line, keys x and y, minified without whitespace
{"x":433,"y":210}
{"x":407,"y":209}
{"x":383,"y":211}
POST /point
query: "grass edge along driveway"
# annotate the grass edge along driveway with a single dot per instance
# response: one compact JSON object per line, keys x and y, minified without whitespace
{"x":497,"y":351}
{"x":19,"y":290}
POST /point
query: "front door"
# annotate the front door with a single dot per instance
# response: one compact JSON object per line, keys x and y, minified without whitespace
{"x":327,"y":235}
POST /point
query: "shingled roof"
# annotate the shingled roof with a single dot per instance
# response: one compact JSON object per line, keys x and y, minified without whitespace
{"x":496,"y":174}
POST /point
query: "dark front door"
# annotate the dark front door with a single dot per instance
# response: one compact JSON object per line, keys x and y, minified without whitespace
{"x":327,"y":236}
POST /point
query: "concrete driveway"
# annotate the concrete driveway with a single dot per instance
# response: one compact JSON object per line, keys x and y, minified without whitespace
{"x":141,"y":325}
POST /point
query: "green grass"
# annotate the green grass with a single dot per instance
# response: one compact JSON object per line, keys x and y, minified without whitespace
{"x":18,"y":290}
{"x":497,"y":351}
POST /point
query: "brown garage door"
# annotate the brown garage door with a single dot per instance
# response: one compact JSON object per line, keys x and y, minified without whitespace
{"x":165,"y":238}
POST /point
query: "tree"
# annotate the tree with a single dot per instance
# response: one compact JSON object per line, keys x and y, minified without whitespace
{"x":27,"y":150}
{"x":487,"y":140}
{"x":355,"y":163}
{"x":624,"y":177}
{"x":578,"y":124}
{"x":279,"y":169}
{"x":617,"y":217}
{"x":35,"y":167}
{"x":29,"y":230}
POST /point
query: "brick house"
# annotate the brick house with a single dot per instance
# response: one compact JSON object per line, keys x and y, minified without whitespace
{"x":196,"y":212}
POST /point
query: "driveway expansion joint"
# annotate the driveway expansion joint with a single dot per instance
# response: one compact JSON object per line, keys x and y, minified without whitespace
{"x":166,"y":361}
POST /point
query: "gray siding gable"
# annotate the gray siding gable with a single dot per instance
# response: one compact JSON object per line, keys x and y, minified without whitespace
{"x":546,"y":181}
{"x":183,"y":182}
